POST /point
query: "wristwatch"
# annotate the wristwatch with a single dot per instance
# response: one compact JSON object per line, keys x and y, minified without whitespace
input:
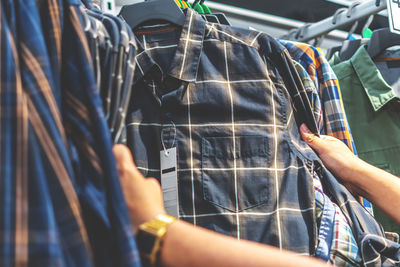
{"x":150,"y":236}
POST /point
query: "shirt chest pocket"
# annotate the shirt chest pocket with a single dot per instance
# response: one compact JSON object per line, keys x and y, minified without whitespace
{"x":236,"y":173}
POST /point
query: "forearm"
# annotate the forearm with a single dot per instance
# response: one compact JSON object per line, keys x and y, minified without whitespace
{"x":378,"y":186}
{"x":186,"y":245}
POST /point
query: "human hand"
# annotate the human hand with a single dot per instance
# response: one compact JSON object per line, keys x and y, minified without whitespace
{"x":335,"y":155}
{"x":143,"y":196}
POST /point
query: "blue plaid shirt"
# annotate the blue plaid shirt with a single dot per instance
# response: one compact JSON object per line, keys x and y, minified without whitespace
{"x":332,"y":119}
{"x":61,"y":201}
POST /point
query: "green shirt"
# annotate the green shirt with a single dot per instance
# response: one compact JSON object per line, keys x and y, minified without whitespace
{"x":373,"y":112}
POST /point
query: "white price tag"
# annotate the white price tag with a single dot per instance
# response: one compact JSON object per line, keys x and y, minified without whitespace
{"x":169,"y":180}
{"x":393,"y":7}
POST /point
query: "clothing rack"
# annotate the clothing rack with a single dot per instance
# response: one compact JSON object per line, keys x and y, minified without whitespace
{"x":342,"y":17}
{"x":273,"y":25}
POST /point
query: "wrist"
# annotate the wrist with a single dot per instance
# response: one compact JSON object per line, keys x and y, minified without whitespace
{"x":150,"y":238}
{"x":143,"y":214}
{"x":356,"y":174}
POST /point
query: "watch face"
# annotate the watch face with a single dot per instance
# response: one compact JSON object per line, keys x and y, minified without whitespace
{"x":145,"y":242}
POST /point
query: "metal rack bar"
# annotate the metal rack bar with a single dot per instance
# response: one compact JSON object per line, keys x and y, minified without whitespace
{"x":341,"y":18}
{"x":273,"y":25}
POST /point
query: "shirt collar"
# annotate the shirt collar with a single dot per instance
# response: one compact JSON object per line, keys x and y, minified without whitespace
{"x":185,"y":62}
{"x":378,"y":91}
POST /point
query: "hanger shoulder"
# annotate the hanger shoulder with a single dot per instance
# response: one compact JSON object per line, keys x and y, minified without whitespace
{"x":136,"y":14}
{"x":382,"y":39}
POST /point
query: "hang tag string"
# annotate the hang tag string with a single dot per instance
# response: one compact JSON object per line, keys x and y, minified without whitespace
{"x":173,"y":141}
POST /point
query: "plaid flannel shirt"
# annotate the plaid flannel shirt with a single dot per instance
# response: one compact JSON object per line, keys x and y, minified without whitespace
{"x":332,"y":120}
{"x":344,"y":249}
{"x":61,"y":201}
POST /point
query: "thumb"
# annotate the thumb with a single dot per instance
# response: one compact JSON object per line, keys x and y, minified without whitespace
{"x":124,"y":160}
{"x":312,"y":140}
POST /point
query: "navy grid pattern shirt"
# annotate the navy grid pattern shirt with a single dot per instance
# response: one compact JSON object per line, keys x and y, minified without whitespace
{"x":61,"y":201}
{"x":241,"y":162}
{"x":231,"y":101}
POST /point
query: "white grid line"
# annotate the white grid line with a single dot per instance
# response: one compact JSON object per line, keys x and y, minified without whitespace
{"x":228,"y":169}
{"x":371,"y":261}
{"x":348,"y":201}
{"x":186,"y":44}
{"x":233,"y":82}
{"x":149,"y":124}
{"x":233,"y":37}
{"x":234,"y":144}
{"x":290,"y":116}
{"x":140,"y":68}
{"x":210,"y":30}
{"x":144,"y":42}
{"x":275,"y":159}
{"x":247,"y":213}
{"x":161,"y":47}
{"x":191,"y":154}
{"x":191,"y":40}
{"x":155,"y":47}
{"x":255,"y":39}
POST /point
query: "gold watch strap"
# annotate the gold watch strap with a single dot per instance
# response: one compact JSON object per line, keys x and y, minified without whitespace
{"x":150,"y":238}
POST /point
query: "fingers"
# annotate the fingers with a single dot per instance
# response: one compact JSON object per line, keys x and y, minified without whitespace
{"x":122,"y":153}
{"x":155,"y":184}
{"x":125,"y":162}
{"x":312,"y":140}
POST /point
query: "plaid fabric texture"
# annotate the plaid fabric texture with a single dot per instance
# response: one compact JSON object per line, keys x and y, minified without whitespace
{"x":61,"y":200}
{"x":332,"y":120}
{"x":311,"y":90}
{"x":234,"y":127}
{"x":374,"y":248}
{"x":344,"y":249}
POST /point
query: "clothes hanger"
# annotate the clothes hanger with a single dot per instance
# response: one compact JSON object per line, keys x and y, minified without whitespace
{"x":381,"y":39}
{"x":221,"y":18}
{"x":348,"y":39}
{"x":113,"y":30}
{"x":198,"y":7}
{"x":126,"y":89}
{"x":123,"y":53}
{"x":139,"y":13}
{"x":205,"y":7}
{"x":208,"y":14}
{"x":351,"y":46}
{"x":187,"y":3}
{"x":331,"y":51}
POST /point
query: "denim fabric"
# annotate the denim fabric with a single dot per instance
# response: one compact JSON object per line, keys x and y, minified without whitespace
{"x":326,"y":230}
